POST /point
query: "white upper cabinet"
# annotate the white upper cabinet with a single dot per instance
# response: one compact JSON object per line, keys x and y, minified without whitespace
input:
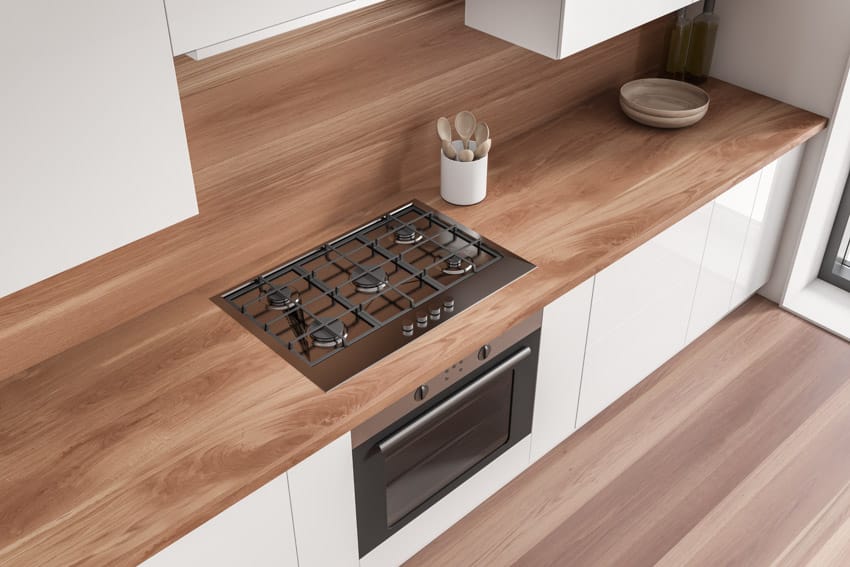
{"x":93,"y":147}
{"x":640,"y":311}
{"x":559,"y":367}
{"x":256,"y":531}
{"x":559,"y":28}
{"x":200,"y":23}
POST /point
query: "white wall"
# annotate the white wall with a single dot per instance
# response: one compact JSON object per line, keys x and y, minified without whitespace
{"x":93,"y":152}
{"x":794,"y":51}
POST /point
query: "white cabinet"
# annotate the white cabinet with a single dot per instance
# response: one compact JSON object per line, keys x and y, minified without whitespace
{"x":639,"y":313}
{"x":197,"y":24}
{"x":323,"y":510}
{"x":767,"y":222}
{"x":730,"y":219}
{"x":559,"y":28}
{"x":303,"y":518}
{"x":93,"y":147}
{"x":256,"y":531}
{"x":559,"y":368}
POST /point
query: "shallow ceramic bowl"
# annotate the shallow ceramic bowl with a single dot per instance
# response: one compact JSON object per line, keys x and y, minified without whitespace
{"x":664,"y":97}
{"x":662,"y":121}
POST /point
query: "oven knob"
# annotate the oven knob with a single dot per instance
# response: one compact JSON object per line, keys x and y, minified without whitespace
{"x":435,"y":312}
{"x":449,"y":304}
{"x":421,"y":393}
{"x":407,"y":328}
{"x":484,"y":352}
{"x":421,"y":320}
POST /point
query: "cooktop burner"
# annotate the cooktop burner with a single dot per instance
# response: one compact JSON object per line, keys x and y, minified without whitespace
{"x":369,"y":279}
{"x":328,"y":333}
{"x":345,"y":305}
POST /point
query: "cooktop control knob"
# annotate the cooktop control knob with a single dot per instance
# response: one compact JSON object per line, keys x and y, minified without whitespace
{"x":449,"y":304}
{"x":421,"y":393}
{"x":435,"y":312}
{"x":484,"y":352}
{"x":421,"y":320}
{"x":407,"y":328}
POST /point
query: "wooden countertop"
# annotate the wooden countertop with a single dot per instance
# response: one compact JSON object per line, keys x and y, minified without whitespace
{"x":161,"y":410}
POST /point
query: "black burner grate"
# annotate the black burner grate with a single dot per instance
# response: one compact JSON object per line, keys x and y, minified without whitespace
{"x":337,"y":295}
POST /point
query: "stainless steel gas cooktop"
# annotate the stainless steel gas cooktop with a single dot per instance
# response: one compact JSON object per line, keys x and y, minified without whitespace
{"x":345,"y":305}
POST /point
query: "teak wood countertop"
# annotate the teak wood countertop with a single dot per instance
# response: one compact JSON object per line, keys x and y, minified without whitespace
{"x":159,"y":411}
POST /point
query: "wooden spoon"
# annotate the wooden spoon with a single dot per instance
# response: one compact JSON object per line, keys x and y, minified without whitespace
{"x":449,"y":150}
{"x":482,"y":149}
{"x":444,"y":129}
{"x":466,"y":155}
{"x":465,"y":124}
{"x":482,"y":133}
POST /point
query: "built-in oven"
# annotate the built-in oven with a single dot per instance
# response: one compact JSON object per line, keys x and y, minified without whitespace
{"x":425,"y":445}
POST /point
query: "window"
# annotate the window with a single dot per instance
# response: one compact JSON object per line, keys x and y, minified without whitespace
{"x":836,"y":263}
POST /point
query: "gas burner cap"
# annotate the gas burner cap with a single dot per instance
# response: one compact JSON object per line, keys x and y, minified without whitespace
{"x":328,"y":334}
{"x":370,"y":279}
{"x":455,"y":266}
{"x":406,"y":235}
{"x":281,"y":299}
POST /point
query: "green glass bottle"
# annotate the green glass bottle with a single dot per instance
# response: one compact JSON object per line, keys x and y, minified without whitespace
{"x":703,"y":38}
{"x":680,"y":39}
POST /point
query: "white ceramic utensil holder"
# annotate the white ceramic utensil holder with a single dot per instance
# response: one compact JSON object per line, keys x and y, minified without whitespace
{"x":463,"y":183}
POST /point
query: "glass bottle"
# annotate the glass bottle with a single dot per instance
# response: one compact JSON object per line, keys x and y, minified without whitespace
{"x":680,"y":39}
{"x":703,"y":38}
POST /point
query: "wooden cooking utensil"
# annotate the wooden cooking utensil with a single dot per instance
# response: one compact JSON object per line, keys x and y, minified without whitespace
{"x":466,"y":156}
{"x":482,"y":133}
{"x":449,"y":150}
{"x":465,"y":124}
{"x":482,"y":149}
{"x":444,"y":129}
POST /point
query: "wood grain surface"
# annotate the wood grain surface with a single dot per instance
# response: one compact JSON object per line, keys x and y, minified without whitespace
{"x":132,"y":409}
{"x":736,"y":452}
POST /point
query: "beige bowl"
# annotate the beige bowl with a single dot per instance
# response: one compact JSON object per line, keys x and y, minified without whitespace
{"x":664,"y":97}
{"x":662,"y":121}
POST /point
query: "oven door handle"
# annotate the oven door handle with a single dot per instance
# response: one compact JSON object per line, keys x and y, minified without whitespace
{"x":400,"y":438}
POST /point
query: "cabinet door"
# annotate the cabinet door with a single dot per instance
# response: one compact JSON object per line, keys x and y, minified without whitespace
{"x":639,"y":313}
{"x":255,"y":531}
{"x":724,"y":247}
{"x":766,"y":224}
{"x":200,"y":23}
{"x":562,"y":342}
{"x":588,"y":22}
{"x":323,"y":509}
{"x":559,"y":28}
{"x":93,"y":146}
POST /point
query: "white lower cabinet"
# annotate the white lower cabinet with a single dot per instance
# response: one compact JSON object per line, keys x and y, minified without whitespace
{"x":723,"y":249}
{"x":303,"y":518}
{"x":561,"y":358}
{"x":776,"y":187}
{"x":322,"y":493}
{"x":256,"y":531}
{"x":639,"y":313}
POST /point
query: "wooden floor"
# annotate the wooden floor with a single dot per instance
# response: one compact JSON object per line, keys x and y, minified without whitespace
{"x":737,"y":452}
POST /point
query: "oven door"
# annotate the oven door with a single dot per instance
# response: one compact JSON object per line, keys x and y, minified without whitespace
{"x":405,"y":469}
